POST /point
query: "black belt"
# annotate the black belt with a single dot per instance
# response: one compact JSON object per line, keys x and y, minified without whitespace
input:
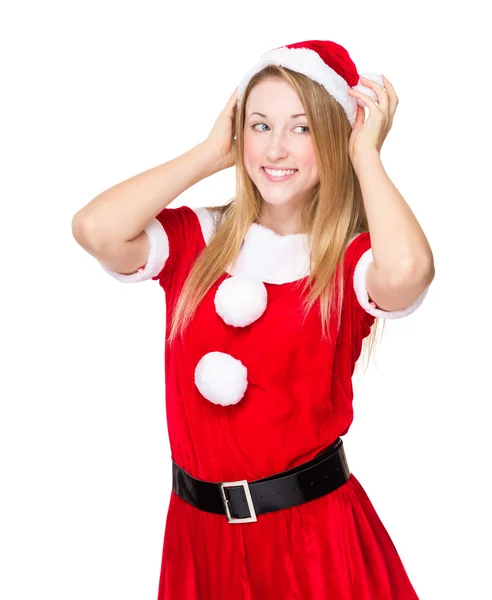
{"x":241,"y":501}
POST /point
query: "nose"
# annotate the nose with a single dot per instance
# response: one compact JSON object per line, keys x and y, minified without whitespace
{"x":277,"y":148}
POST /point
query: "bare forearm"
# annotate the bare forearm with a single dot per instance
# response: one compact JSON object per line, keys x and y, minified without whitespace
{"x":124,"y":210}
{"x":399,"y":244}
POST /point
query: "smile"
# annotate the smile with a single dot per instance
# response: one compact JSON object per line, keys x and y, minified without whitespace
{"x":281,"y":175}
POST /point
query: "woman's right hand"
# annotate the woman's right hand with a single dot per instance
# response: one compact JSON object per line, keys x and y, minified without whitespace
{"x":221,"y":140}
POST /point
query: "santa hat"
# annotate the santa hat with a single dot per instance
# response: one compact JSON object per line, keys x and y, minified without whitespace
{"x":327,"y":63}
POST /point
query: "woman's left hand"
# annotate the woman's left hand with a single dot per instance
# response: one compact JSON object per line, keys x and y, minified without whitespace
{"x":370,"y":134}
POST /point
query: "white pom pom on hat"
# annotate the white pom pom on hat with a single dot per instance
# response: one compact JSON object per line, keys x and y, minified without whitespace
{"x":326,"y":62}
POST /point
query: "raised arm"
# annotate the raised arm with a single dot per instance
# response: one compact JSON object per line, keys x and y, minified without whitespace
{"x":116,"y":226}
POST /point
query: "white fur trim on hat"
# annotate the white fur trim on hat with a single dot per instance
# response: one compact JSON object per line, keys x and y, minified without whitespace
{"x":221,"y":378}
{"x":363,"y":296}
{"x":158,"y":254}
{"x":309,"y":63}
{"x":240,"y":300}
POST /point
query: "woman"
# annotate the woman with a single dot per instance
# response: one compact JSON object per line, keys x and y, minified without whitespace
{"x":268,"y":301}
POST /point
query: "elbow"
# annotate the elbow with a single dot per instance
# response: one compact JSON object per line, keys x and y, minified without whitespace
{"x":84,"y":231}
{"x":420,"y":270}
{"x":416,"y":270}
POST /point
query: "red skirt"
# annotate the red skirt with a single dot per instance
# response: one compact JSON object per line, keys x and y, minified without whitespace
{"x":334,"y":547}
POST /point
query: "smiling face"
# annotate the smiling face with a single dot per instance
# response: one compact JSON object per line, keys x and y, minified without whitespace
{"x":280,"y":141}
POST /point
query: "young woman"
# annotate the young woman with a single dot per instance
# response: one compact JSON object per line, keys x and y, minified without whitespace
{"x":269,"y":299}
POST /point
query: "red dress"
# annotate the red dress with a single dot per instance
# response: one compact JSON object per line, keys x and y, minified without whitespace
{"x":252,"y":391}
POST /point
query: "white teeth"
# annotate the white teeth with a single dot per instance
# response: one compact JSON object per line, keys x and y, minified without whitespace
{"x":279,"y":173}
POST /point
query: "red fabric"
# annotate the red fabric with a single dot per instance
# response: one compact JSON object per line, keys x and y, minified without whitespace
{"x":335,"y":56}
{"x":298,"y":401}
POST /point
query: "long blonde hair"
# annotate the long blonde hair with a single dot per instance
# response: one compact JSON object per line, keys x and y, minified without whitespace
{"x":332,"y":216}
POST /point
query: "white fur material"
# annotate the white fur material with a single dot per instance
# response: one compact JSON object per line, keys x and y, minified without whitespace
{"x":208,"y":221}
{"x":221,"y":378}
{"x":309,"y":63}
{"x":240,"y":300}
{"x":264,"y":254}
{"x":270,"y":257}
{"x":368,"y":91}
{"x":363,"y":296}
{"x":158,"y":254}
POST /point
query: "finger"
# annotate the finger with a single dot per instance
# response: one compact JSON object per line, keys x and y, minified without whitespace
{"x":392,"y":94}
{"x":365,"y":99}
{"x":231,"y":103}
{"x":388,"y":85}
{"x":381,"y":93}
{"x":232,"y":98}
{"x":361,"y":115}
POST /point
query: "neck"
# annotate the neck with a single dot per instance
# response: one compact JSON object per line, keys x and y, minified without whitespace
{"x":281,"y":221}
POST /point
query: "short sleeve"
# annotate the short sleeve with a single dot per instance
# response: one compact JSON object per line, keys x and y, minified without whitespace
{"x":359,"y":257}
{"x":170,"y":235}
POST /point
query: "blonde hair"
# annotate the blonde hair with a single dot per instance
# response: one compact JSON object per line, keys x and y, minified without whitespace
{"x":333,"y":215}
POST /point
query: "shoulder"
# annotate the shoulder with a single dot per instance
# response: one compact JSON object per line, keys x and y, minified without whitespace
{"x":358,"y":250}
{"x":359,"y":242}
{"x":187,"y":220}
{"x":208,"y":220}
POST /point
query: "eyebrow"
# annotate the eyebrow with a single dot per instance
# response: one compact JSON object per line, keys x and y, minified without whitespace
{"x":265,"y":117}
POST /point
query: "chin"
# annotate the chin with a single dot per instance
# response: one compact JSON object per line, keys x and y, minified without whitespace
{"x":276,"y":201}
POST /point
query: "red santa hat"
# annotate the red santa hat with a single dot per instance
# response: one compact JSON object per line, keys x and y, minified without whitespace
{"x":326,"y":62}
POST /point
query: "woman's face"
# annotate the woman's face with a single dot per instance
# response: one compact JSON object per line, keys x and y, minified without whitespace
{"x":280,"y":141}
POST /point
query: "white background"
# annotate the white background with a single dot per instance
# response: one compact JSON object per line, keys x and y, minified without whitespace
{"x":96,"y":92}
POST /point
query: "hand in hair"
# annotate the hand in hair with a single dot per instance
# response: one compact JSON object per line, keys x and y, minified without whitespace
{"x":221,"y":140}
{"x":370,"y":134}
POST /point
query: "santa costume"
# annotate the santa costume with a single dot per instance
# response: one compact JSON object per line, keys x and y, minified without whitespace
{"x":252,"y":392}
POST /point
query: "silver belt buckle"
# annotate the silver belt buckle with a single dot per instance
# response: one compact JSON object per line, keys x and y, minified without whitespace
{"x":249,"y":500}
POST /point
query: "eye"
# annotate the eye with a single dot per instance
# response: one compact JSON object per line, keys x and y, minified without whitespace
{"x":253,"y":126}
{"x":258,"y":130}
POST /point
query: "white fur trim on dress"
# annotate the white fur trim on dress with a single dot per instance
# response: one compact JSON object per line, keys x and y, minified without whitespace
{"x":270,"y":257}
{"x":221,"y":378}
{"x":208,"y":221}
{"x":360,"y":288}
{"x":309,"y":63}
{"x":240,"y":300}
{"x":264,"y":255}
{"x":158,"y":254}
